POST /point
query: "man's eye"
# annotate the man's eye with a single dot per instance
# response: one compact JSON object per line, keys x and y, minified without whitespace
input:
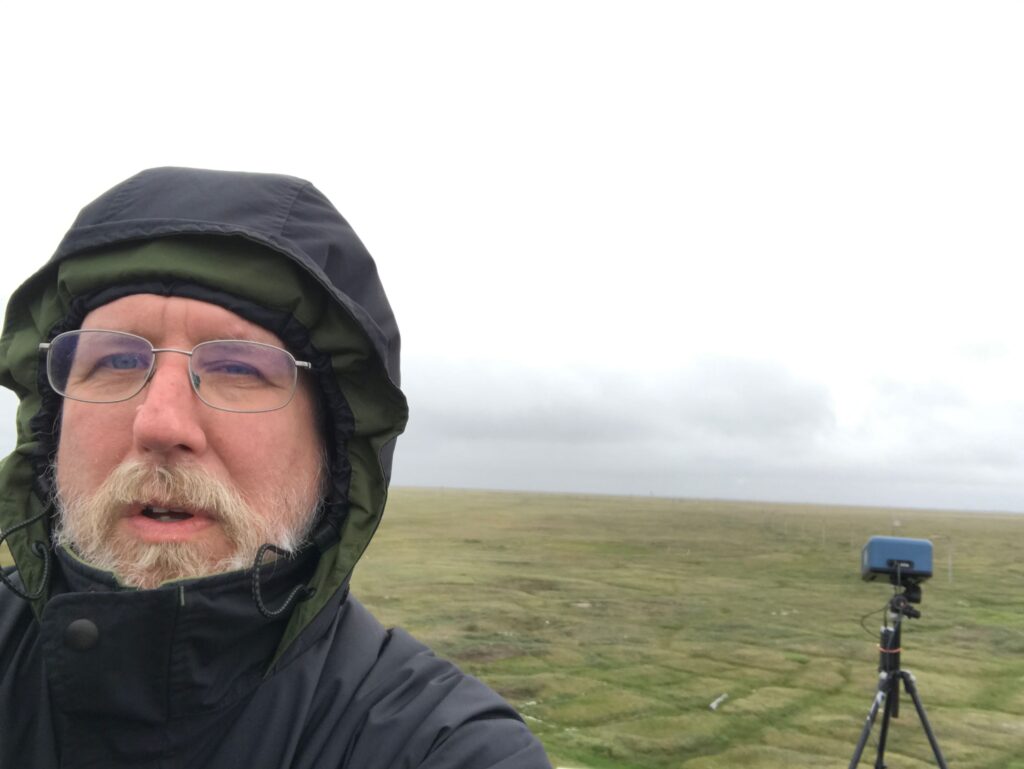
{"x":125,"y":361}
{"x":231,"y":368}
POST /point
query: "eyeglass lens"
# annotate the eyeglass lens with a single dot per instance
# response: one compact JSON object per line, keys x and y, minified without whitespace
{"x":109,"y":366}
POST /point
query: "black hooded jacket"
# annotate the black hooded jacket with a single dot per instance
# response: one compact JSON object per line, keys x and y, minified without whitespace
{"x":192,"y":674}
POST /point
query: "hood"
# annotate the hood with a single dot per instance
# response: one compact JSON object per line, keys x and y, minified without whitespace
{"x":270,"y":248}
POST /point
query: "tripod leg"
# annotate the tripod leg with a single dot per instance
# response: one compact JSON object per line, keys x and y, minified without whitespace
{"x":892,"y":684}
{"x":911,"y":687}
{"x":869,"y":722}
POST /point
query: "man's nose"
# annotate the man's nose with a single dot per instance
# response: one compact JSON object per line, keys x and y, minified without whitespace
{"x":170,"y":416}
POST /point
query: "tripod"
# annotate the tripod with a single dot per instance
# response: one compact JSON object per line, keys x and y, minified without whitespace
{"x":889,"y":677}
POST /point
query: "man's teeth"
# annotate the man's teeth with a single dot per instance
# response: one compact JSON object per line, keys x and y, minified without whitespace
{"x":165,"y":514}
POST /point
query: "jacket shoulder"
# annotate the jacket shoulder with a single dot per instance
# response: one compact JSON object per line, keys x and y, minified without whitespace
{"x":420,"y":710}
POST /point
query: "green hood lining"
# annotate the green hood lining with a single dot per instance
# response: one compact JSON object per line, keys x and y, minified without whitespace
{"x":233,"y":266}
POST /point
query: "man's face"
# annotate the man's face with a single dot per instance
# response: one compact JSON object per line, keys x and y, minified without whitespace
{"x":162,"y":486}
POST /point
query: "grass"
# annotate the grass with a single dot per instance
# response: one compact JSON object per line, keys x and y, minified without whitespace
{"x":612,"y":624}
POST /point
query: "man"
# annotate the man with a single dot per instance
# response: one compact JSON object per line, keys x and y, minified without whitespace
{"x":208,"y":379}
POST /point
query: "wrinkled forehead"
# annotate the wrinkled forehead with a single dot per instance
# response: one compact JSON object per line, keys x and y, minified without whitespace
{"x":175,"y":320}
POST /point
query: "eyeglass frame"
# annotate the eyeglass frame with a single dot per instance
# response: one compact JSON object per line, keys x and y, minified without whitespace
{"x":300,"y":365}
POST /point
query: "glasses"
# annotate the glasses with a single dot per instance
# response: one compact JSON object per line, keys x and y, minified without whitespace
{"x":97,"y":366}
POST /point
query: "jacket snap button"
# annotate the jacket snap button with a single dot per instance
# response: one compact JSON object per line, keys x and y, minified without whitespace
{"x":81,"y":635}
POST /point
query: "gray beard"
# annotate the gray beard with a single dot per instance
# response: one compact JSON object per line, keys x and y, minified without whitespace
{"x":87,"y":525}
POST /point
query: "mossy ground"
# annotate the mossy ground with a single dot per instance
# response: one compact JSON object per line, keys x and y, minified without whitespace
{"x":612,"y":623}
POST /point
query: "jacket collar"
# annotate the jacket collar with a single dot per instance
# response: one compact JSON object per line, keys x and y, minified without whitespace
{"x":189,"y":646}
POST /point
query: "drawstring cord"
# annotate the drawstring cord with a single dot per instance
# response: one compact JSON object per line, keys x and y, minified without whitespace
{"x":40,"y":550}
{"x":299,"y":592}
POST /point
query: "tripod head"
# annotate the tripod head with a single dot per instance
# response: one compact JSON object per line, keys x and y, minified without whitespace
{"x":900,"y":604}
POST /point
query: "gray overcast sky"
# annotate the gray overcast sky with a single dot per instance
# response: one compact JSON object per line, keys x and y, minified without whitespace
{"x":727,"y":249}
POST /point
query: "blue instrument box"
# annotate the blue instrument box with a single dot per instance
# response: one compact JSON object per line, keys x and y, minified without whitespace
{"x":897,"y":558}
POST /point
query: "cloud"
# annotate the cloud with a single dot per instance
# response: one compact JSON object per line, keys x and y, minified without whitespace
{"x":718,"y":427}
{"x":750,"y":400}
{"x":592,"y":429}
{"x":721,"y":399}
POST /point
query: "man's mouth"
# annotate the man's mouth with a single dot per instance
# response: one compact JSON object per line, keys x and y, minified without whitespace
{"x":166,"y":514}
{"x":152,"y":522}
